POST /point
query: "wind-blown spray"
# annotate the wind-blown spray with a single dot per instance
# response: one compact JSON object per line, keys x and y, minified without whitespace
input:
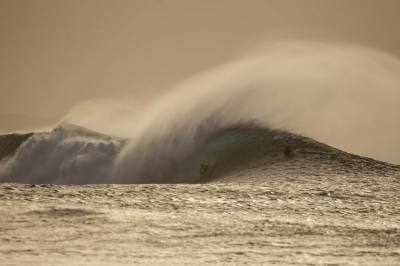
{"x":346,"y":96}
{"x":343,"y":95}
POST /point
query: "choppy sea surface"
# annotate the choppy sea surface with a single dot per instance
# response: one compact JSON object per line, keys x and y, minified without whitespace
{"x":285,"y":221}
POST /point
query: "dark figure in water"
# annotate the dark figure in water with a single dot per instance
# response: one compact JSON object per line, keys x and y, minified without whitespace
{"x":204,"y":169}
{"x":288,"y":151}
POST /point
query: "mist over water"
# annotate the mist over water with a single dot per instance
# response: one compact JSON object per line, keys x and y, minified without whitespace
{"x":343,"y":95}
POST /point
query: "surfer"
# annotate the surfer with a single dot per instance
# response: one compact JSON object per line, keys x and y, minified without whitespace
{"x":204,"y":169}
{"x":288,"y":151}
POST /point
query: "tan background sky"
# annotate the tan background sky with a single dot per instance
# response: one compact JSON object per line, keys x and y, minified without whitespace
{"x":56,"y":53}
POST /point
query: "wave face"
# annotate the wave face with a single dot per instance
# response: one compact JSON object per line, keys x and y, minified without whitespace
{"x":246,"y":152}
{"x":216,"y":154}
{"x":67,"y":155}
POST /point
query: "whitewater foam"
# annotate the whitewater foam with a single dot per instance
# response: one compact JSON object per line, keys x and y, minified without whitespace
{"x":67,"y":155}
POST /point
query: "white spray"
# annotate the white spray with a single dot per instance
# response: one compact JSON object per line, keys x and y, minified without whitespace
{"x":343,"y":95}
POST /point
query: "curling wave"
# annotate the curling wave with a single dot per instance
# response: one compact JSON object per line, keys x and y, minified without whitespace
{"x":236,"y":118}
{"x":341,"y":95}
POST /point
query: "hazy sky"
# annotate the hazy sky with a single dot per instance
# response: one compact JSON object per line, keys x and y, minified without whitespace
{"x":56,"y":53}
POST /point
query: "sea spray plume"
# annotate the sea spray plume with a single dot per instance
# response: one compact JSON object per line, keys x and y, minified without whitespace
{"x":346,"y":96}
{"x":343,"y":95}
{"x":111,"y":116}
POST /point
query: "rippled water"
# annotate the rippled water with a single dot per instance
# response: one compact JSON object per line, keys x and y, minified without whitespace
{"x":294,"y":220}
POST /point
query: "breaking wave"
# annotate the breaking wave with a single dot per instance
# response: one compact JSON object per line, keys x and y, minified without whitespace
{"x":208,"y":126}
{"x":67,"y":155}
{"x":341,"y":95}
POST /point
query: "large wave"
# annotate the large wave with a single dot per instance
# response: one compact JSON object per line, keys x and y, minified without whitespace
{"x":343,"y":95}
